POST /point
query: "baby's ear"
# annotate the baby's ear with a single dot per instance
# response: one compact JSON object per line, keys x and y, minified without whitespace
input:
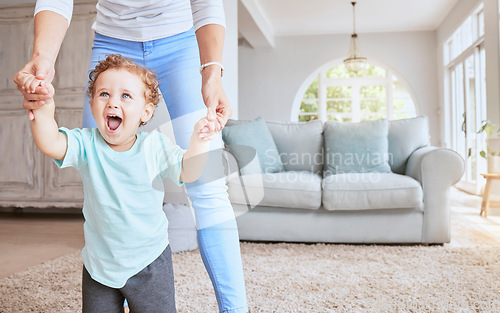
{"x":149,"y":109}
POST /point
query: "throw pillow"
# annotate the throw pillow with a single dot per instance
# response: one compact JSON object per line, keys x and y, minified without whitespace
{"x":300,"y":144}
{"x":406,"y":136}
{"x":356,"y":147}
{"x":255,"y":135}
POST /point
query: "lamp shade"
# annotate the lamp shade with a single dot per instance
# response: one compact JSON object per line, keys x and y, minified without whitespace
{"x":354,"y":62}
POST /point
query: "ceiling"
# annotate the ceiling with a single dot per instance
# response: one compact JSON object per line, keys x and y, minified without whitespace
{"x":261,"y":21}
{"x":313,"y":17}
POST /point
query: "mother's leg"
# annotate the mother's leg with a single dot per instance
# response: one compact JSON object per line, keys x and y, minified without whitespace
{"x":177,"y":65}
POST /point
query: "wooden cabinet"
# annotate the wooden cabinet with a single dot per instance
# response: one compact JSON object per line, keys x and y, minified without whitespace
{"x":27,"y":177}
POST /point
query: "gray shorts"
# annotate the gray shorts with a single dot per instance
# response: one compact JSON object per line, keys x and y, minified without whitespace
{"x":151,"y":290}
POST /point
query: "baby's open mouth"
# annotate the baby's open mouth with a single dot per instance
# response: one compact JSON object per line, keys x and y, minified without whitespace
{"x":113,"y":121}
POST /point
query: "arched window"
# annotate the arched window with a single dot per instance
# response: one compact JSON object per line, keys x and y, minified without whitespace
{"x":338,"y":95}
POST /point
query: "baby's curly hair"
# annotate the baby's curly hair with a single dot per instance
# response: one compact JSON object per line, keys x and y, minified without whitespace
{"x":117,"y":62}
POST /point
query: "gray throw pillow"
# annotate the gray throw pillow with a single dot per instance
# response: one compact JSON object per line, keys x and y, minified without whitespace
{"x":243,"y":139}
{"x":300,"y":144}
{"x":406,"y":136}
{"x":356,"y":147}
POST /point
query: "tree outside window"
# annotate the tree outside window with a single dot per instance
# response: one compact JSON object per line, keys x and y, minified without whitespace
{"x":339,"y":95}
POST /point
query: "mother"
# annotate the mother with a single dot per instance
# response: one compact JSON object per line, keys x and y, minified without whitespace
{"x":171,"y":37}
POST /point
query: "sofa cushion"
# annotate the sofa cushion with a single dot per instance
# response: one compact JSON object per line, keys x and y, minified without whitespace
{"x":356,"y":147}
{"x":406,"y":136}
{"x":298,"y":190}
{"x":370,"y":191}
{"x":254,"y":134}
{"x":299,"y":144}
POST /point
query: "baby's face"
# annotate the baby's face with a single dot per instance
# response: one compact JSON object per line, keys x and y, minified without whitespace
{"x":119,"y":107}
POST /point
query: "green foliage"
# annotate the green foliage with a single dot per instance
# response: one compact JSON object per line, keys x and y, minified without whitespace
{"x":373,"y":92}
{"x":340,"y":106}
{"x":312,"y":91}
{"x":307,"y":118}
{"x":488,"y":128}
{"x":339,"y":98}
{"x":339,"y":117}
{"x":309,"y":106}
{"x":340,"y":71}
{"x":398,"y":104}
{"x":372,"y":106}
{"x":338,"y":92}
{"x":375,"y":71}
{"x":339,"y":110}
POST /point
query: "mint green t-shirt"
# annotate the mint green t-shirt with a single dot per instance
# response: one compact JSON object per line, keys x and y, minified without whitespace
{"x":125,"y":227}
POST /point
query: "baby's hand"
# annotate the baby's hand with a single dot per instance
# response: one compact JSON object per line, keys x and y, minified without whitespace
{"x":205,"y":129}
{"x":30,"y":83}
{"x":33,"y":85}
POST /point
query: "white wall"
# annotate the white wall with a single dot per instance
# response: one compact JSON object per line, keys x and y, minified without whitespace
{"x":270,"y":78}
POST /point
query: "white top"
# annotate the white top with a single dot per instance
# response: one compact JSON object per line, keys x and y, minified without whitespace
{"x":144,"y":20}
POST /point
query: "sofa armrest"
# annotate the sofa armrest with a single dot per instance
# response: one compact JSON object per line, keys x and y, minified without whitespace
{"x":446,"y":164}
{"x":437,"y":169}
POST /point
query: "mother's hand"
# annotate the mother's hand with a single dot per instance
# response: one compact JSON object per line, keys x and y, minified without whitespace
{"x":215,"y":98}
{"x":34,"y":95}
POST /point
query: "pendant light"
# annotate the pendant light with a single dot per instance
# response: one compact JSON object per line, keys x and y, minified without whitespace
{"x":354,"y":62}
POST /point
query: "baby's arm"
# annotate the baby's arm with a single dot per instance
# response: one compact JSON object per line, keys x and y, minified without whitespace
{"x":44,"y":127}
{"x":196,"y":156}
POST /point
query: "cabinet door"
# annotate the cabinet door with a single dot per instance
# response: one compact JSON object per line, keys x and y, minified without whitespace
{"x":20,"y":166}
{"x":27,"y":177}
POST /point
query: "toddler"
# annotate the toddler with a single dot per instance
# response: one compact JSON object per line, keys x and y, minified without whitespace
{"x":126,"y":253}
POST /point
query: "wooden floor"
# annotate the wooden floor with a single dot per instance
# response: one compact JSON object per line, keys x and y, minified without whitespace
{"x":31,"y":238}
{"x":468,"y":229}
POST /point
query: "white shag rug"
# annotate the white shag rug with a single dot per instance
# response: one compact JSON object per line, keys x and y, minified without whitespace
{"x":300,"y":278}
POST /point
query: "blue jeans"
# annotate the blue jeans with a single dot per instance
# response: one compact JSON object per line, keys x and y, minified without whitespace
{"x":175,"y":60}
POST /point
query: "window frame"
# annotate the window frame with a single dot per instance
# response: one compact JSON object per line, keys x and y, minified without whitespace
{"x":456,"y":52}
{"x":354,"y":82}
